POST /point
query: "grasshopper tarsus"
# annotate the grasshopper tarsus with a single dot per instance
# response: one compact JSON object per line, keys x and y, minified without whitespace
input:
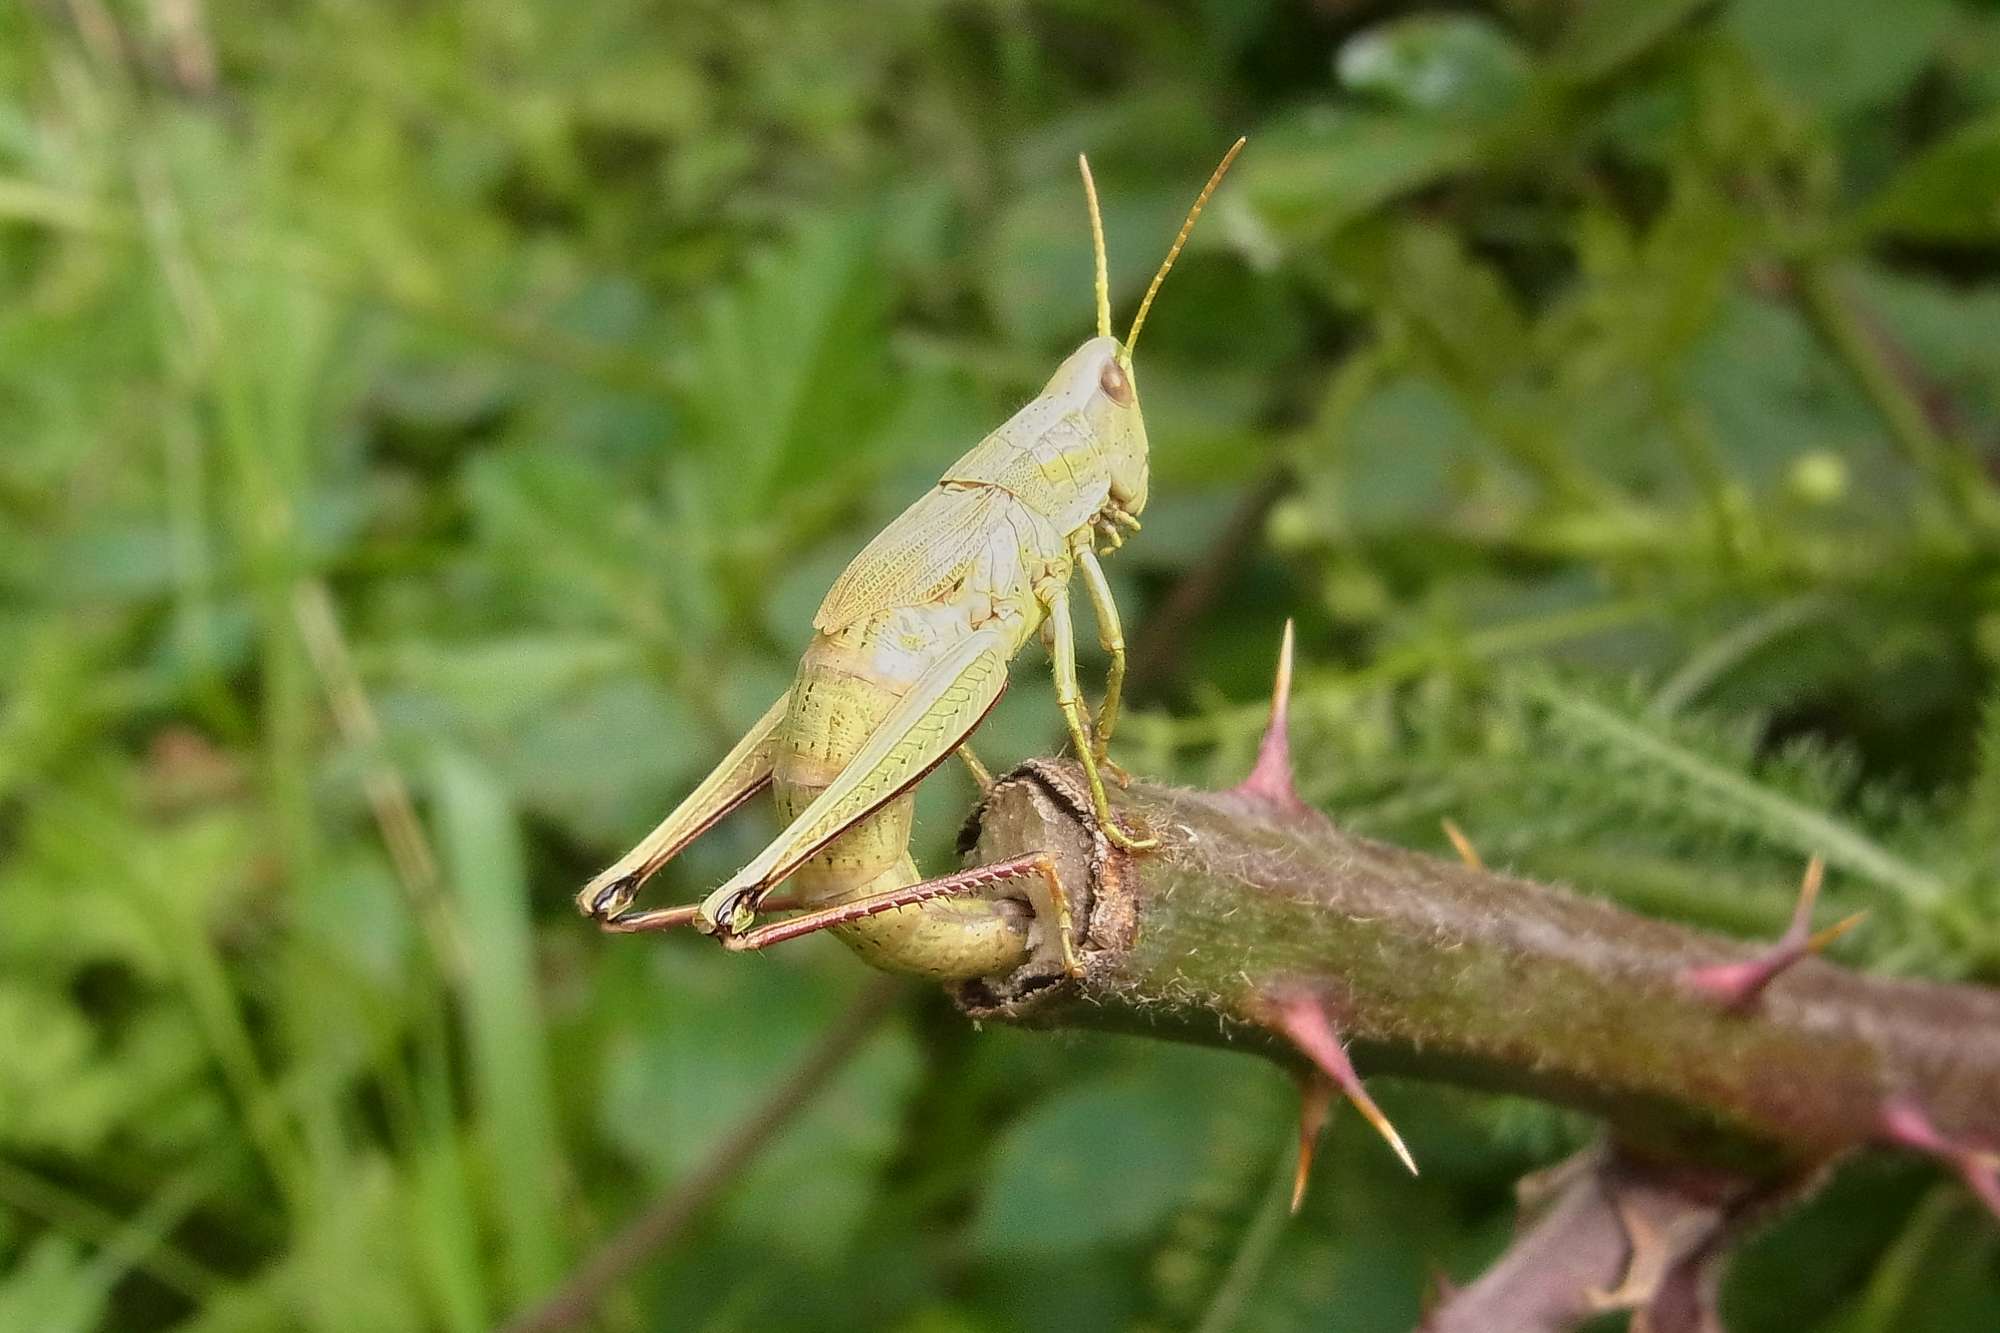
{"x":1130,"y":842}
{"x":612,"y":900}
{"x":728,"y":916}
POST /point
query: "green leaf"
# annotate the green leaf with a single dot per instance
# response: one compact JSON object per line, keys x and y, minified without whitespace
{"x":679,"y":1084}
{"x":1462,"y":64}
{"x":576,"y":543}
{"x":1099,"y":1162}
{"x":1038,"y":273}
{"x":1323,"y":166}
{"x":1452,"y":305}
{"x":1650,"y":296}
{"x":51,"y":1095}
{"x":1951,"y":193}
{"x":49,"y":1290}
{"x":1947,"y":327}
{"x":439,"y":1204}
{"x":357,"y":914}
{"x":482,"y":855}
{"x":1774,"y":398}
{"x":1604,"y":34}
{"x":1841,"y":55}
{"x":603,"y":760}
{"x":352,"y":1262}
{"x":1720,"y":791}
{"x":1983,"y":810}
{"x":791,"y":368}
{"x":1403,"y":443}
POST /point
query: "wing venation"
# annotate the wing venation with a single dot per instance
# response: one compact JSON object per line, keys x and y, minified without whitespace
{"x":924,"y":551}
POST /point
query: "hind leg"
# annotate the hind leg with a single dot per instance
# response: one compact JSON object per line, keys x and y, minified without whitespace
{"x":920,"y":732}
{"x":910,"y":895}
{"x":743,"y":772}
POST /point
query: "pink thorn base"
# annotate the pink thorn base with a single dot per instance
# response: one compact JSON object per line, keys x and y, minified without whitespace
{"x":1905,"y":1125}
{"x":1270,"y":778}
{"x":1738,"y":985}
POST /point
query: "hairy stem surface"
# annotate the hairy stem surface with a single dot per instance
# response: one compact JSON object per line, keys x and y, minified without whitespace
{"x":1440,"y":970}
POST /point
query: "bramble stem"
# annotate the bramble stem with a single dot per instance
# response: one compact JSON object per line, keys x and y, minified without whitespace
{"x":1442,"y":970}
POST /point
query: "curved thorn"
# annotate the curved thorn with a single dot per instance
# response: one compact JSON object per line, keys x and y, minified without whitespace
{"x":1737,"y":985}
{"x":1303,"y":1019}
{"x":1819,"y":939}
{"x":1904,"y":1124}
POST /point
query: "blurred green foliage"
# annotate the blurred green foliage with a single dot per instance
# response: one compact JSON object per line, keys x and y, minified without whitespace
{"x":1621,"y":377}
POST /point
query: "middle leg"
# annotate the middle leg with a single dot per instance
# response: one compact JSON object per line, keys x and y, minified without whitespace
{"x":982,"y":776}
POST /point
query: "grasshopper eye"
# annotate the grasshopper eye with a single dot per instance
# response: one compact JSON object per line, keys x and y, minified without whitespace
{"x":1117,"y":385}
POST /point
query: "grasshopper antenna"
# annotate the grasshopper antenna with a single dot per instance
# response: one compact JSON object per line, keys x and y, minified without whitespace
{"x":1174,"y":251}
{"x":1097,"y":246}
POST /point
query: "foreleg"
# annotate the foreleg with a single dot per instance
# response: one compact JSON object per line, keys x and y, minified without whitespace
{"x":1061,"y":637}
{"x":1111,"y":635}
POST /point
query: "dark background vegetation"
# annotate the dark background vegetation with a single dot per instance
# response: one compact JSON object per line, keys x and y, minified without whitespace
{"x":425,"y":432}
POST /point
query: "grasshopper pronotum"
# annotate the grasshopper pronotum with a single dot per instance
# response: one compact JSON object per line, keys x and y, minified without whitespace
{"x":910,"y":651}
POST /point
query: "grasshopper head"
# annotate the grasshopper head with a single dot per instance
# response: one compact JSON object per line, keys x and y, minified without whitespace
{"x":1100,"y":377}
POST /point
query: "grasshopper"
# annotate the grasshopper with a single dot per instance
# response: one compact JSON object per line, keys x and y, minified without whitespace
{"x":909,"y":653}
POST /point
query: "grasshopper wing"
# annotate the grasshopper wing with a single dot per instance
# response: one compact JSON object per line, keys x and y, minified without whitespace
{"x":928,"y":548}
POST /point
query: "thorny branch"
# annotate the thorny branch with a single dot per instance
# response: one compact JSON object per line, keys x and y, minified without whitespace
{"x":1728,"y":1077}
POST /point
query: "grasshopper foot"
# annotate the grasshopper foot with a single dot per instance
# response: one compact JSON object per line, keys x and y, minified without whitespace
{"x":1129,"y":841}
{"x":610,"y":900}
{"x":727,"y":914}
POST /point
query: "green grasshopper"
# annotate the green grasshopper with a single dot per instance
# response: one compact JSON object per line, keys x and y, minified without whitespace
{"x":909,"y":654}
